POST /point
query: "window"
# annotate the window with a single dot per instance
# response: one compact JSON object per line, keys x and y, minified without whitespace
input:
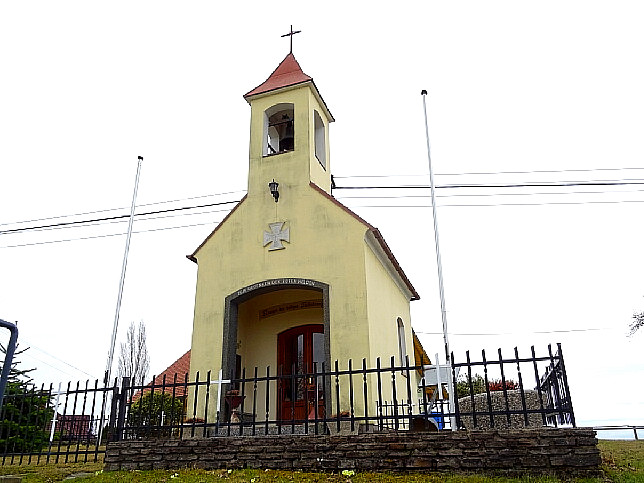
{"x":320,"y":145}
{"x":402,"y":347}
{"x":279,"y":129}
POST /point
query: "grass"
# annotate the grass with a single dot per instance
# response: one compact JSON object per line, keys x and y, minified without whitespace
{"x":623,"y":462}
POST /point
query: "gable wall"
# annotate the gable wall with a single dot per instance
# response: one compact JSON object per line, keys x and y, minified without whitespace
{"x":385,"y":303}
{"x":326,"y":245}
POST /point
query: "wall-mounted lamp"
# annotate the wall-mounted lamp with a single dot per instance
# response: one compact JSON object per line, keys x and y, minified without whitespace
{"x":273,"y":187}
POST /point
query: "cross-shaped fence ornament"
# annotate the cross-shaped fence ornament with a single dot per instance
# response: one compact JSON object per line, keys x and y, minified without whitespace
{"x":276,"y":236}
{"x":290,"y":34}
{"x":220,"y":381}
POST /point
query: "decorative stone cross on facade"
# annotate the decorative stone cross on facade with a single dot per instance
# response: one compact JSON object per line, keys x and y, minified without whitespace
{"x":276,"y":236}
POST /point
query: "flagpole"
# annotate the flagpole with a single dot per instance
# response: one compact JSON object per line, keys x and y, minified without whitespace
{"x":450,"y":382}
{"x":110,"y":356}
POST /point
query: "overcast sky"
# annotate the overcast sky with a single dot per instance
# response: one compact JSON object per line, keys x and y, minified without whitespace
{"x":519,"y":93}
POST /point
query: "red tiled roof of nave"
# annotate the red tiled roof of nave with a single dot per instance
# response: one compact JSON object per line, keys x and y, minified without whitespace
{"x":288,"y":73}
{"x":180,"y":367}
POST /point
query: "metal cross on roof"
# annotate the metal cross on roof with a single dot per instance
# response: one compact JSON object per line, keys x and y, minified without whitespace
{"x":290,"y":34}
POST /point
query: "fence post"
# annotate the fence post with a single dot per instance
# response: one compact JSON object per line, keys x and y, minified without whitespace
{"x":121,"y":404}
{"x":567,"y":388}
{"x":112,"y":433}
{"x":556,"y":398}
{"x":455,"y":420}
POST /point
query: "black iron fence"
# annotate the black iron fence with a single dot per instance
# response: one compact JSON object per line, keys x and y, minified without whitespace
{"x":513,"y":391}
{"x":75,"y":423}
{"x":46,"y":424}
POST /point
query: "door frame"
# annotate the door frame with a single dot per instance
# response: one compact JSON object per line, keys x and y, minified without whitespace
{"x":231,"y":310}
{"x":282,"y":339}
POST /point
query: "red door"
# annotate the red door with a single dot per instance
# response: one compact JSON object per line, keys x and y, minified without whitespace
{"x":300,"y":353}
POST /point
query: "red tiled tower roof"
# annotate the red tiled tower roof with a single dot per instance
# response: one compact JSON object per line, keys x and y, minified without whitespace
{"x":288,"y":73}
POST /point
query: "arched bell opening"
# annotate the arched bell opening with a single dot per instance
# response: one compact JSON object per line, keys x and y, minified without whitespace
{"x":320,"y":139}
{"x":279,"y":129}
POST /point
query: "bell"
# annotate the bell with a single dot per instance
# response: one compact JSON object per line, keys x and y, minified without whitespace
{"x":287,"y":142}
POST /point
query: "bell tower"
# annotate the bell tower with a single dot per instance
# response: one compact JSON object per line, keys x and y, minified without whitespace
{"x":289,"y":132}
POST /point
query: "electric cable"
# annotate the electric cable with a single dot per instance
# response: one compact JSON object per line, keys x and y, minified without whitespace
{"x":489,"y":205}
{"x":475,"y":195}
{"x":523,"y":185}
{"x":335,"y":177}
{"x":57,"y":368}
{"x":31,"y":346}
{"x":108,"y":235}
{"x":635,"y":181}
{"x":541,"y":171}
{"x":122,"y":208}
{"x":90,"y":224}
{"x":120,"y":218}
{"x":77,"y":222}
{"x":481,"y":334}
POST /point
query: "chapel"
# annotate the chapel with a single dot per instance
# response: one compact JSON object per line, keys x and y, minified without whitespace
{"x":291,"y":279}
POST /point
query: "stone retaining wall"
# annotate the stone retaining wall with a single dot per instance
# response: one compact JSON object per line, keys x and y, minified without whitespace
{"x":571,"y":451}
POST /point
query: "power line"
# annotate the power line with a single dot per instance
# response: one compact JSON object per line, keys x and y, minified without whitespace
{"x":489,"y":205}
{"x":475,"y":195}
{"x":31,"y":346}
{"x":479,"y":205}
{"x":518,"y":185}
{"x":119,"y":217}
{"x":122,"y":208}
{"x":108,"y":235}
{"x":31,"y":356}
{"x":543,"y":171}
{"x":123,"y":220}
{"x":58,"y":368}
{"x":342,"y":177}
{"x":523,"y":185}
{"x":482,"y":334}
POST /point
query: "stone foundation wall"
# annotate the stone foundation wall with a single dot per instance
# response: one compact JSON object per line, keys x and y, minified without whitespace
{"x":571,"y":451}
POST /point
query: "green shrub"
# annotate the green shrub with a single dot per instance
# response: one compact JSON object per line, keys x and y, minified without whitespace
{"x":154,"y":413}
{"x":26,"y":414}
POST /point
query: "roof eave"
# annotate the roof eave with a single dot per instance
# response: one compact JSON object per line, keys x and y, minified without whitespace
{"x":413,"y":294}
{"x":396,"y":270}
{"x":193,"y":257}
{"x":295,"y":85}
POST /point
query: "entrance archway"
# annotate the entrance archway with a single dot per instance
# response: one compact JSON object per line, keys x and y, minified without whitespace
{"x":237,"y":307}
